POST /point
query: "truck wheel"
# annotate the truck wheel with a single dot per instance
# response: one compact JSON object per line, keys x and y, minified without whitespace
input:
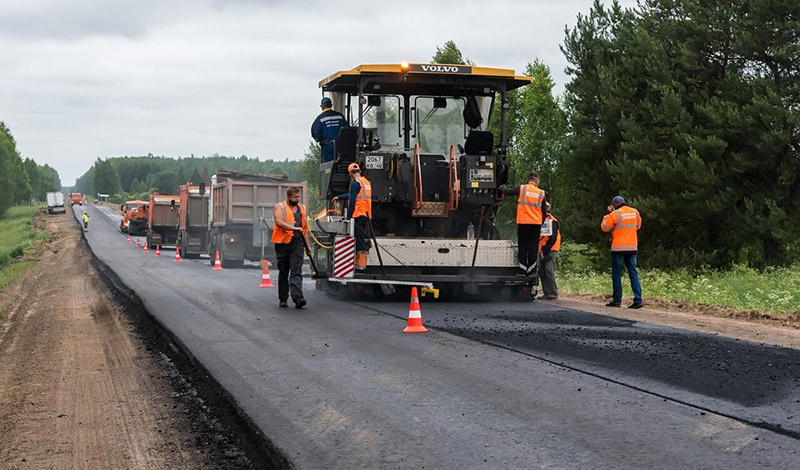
{"x":229,"y":263}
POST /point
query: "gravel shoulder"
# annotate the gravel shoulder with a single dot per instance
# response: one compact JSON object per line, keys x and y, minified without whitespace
{"x":78,"y":388}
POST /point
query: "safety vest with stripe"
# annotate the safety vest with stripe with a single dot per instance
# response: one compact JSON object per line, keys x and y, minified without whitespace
{"x":623,"y":224}
{"x":544,"y":239}
{"x":529,"y":204}
{"x":363,"y":199}
{"x":280,"y":234}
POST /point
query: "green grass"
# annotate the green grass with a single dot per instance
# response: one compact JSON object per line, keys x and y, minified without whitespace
{"x":775,"y":290}
{"x":16,"y":235}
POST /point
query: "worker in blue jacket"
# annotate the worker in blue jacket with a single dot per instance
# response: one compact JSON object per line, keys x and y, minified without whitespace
{"x":326,"y":127}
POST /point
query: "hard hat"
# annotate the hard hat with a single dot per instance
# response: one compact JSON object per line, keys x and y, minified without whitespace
{"x":617,"y":200}
{"x":353,"y":167}
{"x":326,"y":102}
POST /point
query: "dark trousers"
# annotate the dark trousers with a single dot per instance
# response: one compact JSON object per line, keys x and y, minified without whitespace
{"x":528,"y":251}
{"x":290,"y":268}
{"x":362,"y":233}
{"x":547,"y":273}
{"x":629,"y":260}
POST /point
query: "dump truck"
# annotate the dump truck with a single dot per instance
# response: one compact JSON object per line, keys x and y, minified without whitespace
{"x":55,"y":202}
{"x":162,"y":220}
{"x":193,"y":221}
{"x":241,"y":207}
{"x":75,"y":198}
{"x":421,"y":135}
{"x":134,"y":217}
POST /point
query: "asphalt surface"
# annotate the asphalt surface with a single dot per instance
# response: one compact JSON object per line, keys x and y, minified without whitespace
{"x":492,"y":385}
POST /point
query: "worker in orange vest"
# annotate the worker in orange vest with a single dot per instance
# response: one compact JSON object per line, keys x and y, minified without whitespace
{"x":360,"y":209}
{"x":623,"y":221}
{"x":549,"y":246}
{"x":290,"y":236}
{"x":531,"y":212}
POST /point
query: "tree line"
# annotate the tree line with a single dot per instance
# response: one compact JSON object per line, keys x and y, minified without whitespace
{"x":690,"y":110}
{"x":135,"y":177}
{"x":24,"y":181}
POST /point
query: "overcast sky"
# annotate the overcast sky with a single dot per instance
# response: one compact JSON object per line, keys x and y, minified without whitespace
{"x":84,"y":79}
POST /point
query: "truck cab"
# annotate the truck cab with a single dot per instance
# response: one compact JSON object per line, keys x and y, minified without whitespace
{"x":75,"y":198}
{"x":134,"y":217}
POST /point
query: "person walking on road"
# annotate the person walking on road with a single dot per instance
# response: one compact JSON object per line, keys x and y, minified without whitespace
{"x":549,"y":246}
{"x":325,"y":129}
{"x":623,"y":221}
{"x":531,"y":212}
{"x":290,"y":237}
{"x":360,"y":206}
{"x":85,"y":221}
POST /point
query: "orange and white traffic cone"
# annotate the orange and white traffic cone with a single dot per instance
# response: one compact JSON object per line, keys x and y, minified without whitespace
{"x":414,"y":315}
{"x":129,"y":238}
{"x":158,"y":251}
{"x":177,"y":256}
{"x":145,"y":248}
{"x":137,"y":242}
{"x":266,"y":281}
{"x":217,"y":264}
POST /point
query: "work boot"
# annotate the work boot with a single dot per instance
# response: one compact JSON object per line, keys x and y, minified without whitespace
{"x":283,"y":304}
{"x":612,"y":304}
{"x":636,"y":305}
{"x":361,"y":261}
{"x":300,"y":302}
{"x":551,"y":297}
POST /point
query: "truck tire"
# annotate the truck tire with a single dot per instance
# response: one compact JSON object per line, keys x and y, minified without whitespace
{"x":229,"y":263}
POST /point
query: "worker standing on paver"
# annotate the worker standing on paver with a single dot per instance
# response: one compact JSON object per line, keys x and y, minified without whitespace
{"x":549,"y":246}
{"x":325,"y":129}
{"x":290,"y":236}
{"x":360,"y":206}
{"x":531,"y":212}
{"x":623,"y":222}
{"x":85,"y":221}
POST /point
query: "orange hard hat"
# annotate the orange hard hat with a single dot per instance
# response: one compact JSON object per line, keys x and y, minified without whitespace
{"x":353,"y":167}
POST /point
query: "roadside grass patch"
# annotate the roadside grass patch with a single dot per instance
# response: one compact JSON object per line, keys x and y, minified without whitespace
{"x":16,"y":235}
{"x":773,"y":290}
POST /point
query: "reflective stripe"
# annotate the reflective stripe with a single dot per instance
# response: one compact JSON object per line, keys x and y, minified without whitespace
{"x":330,"y":118}
{"x":531,"y":204}
{"x":624,"y":248}
{"x":626,"y":226}
{"x":523,"y":267}
{"x":363,"y":197}
{"x":605,"y":226}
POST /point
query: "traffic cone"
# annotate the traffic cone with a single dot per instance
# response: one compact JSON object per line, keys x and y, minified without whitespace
{"x":145,"y":248}
{"x":129,"y":238}
{"x":137,"y":242}
{"x":217,"y":264}
{"x":265,"y":279}
{"x":158,"y":251}
{"x":177,"y":255}
{"x":414,"y":315}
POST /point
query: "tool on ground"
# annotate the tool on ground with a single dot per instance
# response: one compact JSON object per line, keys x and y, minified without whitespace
{"x":177,"y":256}
{"x":375,"y":243}
{"x":316,"y":274}
{"x":266,"y":281}
{"x":414,"y":315}
{"x":158,"y":251}
{"x":217,"y":264}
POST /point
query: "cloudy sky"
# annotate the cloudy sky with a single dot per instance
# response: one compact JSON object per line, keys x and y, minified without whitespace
{"x":84,"y":79}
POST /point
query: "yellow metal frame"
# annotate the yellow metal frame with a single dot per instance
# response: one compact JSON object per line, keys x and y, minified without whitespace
{"x":489,"y":72}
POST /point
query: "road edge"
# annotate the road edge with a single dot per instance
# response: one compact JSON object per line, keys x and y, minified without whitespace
{"x":211,"y":399}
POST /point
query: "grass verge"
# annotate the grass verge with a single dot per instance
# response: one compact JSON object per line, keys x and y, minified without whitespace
{"x":775,"y":290}
{"x":16,"y":236}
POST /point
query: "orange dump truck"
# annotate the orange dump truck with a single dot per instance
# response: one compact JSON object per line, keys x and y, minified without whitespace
{"x":162,"y":220}
{"x":193,"y":217}
{"x":75,"y":198}
{"x":134,"y":217}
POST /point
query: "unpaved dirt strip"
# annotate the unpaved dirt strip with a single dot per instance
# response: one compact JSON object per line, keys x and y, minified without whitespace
{"x":77,"y":389}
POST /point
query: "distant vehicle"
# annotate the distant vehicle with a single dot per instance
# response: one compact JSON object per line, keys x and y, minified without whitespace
{"x":162,"y":220}
{"x":55,"y":202}
{"x":134,"y":217}
{"x":76,"y":198}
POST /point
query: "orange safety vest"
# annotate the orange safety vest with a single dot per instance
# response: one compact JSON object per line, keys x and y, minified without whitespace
{"x":543,"y":239}
{"x":529,"y":204}
{"x":280,"y":234}
{"x":363,"y":199}
{"x":623,"y":224}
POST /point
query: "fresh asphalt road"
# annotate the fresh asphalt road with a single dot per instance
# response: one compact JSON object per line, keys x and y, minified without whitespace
{"x":491,"y":386}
